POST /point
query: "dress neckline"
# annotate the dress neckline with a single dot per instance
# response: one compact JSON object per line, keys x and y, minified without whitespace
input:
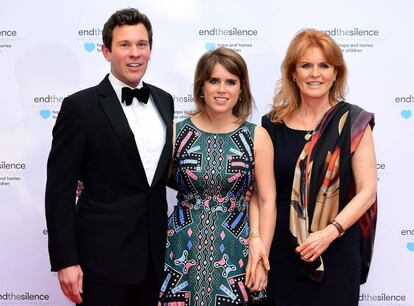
{"x":297,"y":130}
{"x":211,"y":133}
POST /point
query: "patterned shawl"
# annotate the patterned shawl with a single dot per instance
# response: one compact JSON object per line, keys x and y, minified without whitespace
{"x":323,"y":178}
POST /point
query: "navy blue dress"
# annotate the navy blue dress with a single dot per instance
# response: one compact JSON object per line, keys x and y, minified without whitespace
{"x":287,"y":285}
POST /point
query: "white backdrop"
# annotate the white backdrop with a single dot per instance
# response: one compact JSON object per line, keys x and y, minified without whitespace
{"x":50,"y":49}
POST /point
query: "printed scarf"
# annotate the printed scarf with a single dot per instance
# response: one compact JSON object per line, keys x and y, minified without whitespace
{"x":323,"y":178}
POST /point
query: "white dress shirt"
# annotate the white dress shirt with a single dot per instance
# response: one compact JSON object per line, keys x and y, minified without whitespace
{"x":147,"y":125}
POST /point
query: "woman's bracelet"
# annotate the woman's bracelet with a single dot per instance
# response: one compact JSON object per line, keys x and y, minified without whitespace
{"x":338,"y":227}
{"x":254,"y":234}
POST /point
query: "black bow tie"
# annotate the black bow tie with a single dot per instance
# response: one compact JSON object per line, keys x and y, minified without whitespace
{"x":142,"y":94}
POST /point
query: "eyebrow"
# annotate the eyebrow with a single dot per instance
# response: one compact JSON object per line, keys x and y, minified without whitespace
{"x":129,"y":41}
{"x":226,"y":79}
{"x":308,"y":61}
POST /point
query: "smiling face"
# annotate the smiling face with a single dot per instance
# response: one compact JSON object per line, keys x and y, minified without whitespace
{"x":314,"y":76}
{"x":221,"y":91}
{"x":130,"y":53}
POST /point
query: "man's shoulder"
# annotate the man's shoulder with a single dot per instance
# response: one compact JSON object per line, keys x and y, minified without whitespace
{"x":85,"y":93}
{"x":158,"y":90}
{"x":91,"y":93}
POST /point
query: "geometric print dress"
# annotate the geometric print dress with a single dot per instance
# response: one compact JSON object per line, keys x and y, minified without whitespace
{"x":207,"y":249}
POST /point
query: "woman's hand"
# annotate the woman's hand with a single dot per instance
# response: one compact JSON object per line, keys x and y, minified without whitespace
{"x":317,"y":243}
{"x":260,"y":282}
{"x":257,"y":257}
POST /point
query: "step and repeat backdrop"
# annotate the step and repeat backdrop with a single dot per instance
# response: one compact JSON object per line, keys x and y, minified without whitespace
{"x":50,"y":49}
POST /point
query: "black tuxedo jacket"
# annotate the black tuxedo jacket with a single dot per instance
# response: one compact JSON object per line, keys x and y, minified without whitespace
{"x":119,"y":223}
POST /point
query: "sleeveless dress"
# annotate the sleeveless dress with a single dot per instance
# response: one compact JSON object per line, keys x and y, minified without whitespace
{"x":287,"y":286}
{"x":206,"y":250}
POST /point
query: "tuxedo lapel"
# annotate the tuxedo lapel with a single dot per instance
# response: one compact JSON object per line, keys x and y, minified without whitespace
{"x":113,"y":110}
{"x":163,"y":109}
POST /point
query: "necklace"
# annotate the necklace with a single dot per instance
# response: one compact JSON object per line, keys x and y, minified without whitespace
{"x":308,"y":135}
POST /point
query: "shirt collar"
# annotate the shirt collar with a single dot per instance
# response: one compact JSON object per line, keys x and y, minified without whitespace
{"x":117,"y":85}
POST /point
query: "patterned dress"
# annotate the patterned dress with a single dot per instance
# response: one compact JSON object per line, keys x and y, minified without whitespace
{"x":206,"y":253}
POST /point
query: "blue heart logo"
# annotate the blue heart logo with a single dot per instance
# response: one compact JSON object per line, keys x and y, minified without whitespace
{"x":45,"y":113}
{"x":210,"y":46}
{"x":406,"y":113}
{"x":410,"y":246}
{"x":89,"y":46}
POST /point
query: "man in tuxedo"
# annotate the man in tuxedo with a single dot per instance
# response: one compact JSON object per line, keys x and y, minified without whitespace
{"x":108,"y":249}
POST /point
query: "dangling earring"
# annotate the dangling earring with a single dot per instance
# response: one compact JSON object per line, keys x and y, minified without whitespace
{"x":240,"y":98}
{"x":294,"y":78}
{"x":202,"y":96}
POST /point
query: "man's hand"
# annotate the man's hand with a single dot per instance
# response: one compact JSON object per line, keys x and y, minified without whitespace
{"x":248,"y":194}
{"x":71,"y":282}
{"x":79,"y":188}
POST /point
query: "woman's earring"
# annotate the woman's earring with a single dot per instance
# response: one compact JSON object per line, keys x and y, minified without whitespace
{"x":202,"y":96}
{"x":294,"y":78}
